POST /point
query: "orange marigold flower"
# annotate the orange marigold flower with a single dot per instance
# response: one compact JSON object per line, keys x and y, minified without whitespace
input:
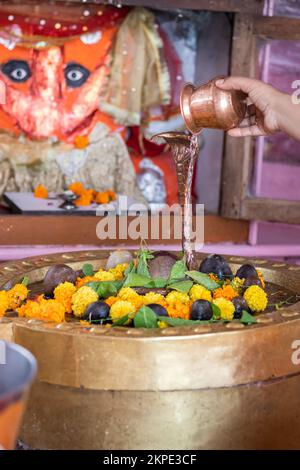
{"x":77,"y":188}
{"x":102,"y":198}
{"x":111,"y":300}
{"x":226,"y":291}
{"x":213,"y":277}
{"x":48,"y":310}
{"x":112,"y":195}
{"x":81,"y":281}
{"x":179,"y":310}
{"x":41,"y":192}
{"x":86,"y":198}
{"x":16,"y":295}
{"x":81,"y":141}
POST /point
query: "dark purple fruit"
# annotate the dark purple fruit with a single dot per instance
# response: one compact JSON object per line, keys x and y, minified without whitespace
{"x":252,"y":281}
{"x":161,"y":264}
{"x":245,"y":271}
{"x":216,"y":264}
{"x":56,"y":275}
{"x":159,"y":310}
{"x":240,"y":304}
{"x":96,"y":312}
{"x":201,"y":310}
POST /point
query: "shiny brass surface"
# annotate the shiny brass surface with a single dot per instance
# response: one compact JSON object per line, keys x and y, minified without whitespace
{"x":216,"y":386}
{"x":207,"y":106}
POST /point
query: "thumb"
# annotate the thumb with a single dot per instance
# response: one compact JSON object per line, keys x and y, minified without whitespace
{"x":237,"y":83}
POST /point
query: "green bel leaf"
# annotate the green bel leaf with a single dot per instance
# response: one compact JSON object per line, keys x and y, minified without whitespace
{"x":130,"y":269}
{"x":121,"y":321}
{"x":159,"y":282}
{"x":145,"y":318}
{"x":203,"y":279}
{"x":105,"y":289}
{"x":88,"y":269}
{"x":137,"y":280}
{"x":247,"y":318}
{"x":177,"y":272}
{"x":25,"y":281}
{"x":181,"y":286}
{"x":216,"y":311}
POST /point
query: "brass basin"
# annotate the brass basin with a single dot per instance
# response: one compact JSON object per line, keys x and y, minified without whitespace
{"x":202,"y":387}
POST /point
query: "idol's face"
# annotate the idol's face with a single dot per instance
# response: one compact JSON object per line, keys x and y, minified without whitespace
{"x":54,"y":92}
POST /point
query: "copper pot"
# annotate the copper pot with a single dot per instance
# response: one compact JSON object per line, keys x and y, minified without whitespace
{"x":209,"y":106}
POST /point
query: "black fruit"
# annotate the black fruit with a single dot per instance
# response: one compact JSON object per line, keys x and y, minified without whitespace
{"x":216,"y":264}
{"x":161,"y":264}
{"x":240,"y":304}
{"x":56,"y":275}
{"x":245,"y":271}
{"x":96,"y":312}
{"x":252,"y":281}
{"x":159,"y":310}
{"x":201,"y":310}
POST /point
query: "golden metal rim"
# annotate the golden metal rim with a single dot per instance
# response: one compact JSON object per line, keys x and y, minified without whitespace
{"x":286,"y":276}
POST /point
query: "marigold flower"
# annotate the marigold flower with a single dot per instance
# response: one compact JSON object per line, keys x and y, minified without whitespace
{"x":162,"y":324}
{"x":118,"y":271}
{"x":47,"y":310}
{"x":226,"y":291}
{"x":256,"y":298}
{"x":86,"y":198}
{"x":213,"y":277}
{"x":237,"y":284}
{"x":81,"y":299}
{"x":111,"y":300}
{"x":63,"y":293}
{"x":175,"y":296}
{"x":120,"y":309}
{"x":102,"y":198}
{"x":261,"y":278}
{"x":198,"y":292}
{"x":179,"y":310}
{"x":4,"y":302}
{"x":41,"y":192}
{"x":104,"y":276}
{"x":127,"y":293}
{"x":17,"y":295}
{"x":227,"y":308}
{"x":77,"y":188}
{"x":153,"y":298}
{"x":81,"y":141}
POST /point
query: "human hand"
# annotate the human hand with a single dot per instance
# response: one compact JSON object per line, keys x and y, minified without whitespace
{"x":263,"y":110}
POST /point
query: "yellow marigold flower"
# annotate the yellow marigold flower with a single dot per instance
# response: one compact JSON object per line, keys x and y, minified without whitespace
{"x":120,"y":309}
{"x":179,"y":310}
{"x":261,"y":278}
{"x":111,"y":300}
{"x":153,"y":298}
{"x":162,"y":324}
{"x":213,"y":277}
{"x":4,"y":302}
{"x":127,"y":293}
{"x":63,"y":293}
{"x":17,"y":295}
{"x":104,"y":276}
{"x":227,"y":308}
{"x":118,"y":271}
{"x":175,"y":296}
{"x":226,"y":291}
{"x":81,"y":299}
{"x":199,"y":292}
{"x":237,"y":284}
{"x":256,"y":298}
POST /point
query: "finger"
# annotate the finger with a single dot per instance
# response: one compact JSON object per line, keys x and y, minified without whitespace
{"x":253,"y":131}
{"x":238,"y":83}
{"x":248,"y":121}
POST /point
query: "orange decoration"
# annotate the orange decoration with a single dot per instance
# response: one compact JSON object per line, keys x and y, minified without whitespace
{"x":41,"y":192}
{"x":77,"y":188}
{"x":226,"y":292}
{"x":81,"y":141}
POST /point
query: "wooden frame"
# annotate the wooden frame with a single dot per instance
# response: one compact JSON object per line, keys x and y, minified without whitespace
{"x":239,"y":153}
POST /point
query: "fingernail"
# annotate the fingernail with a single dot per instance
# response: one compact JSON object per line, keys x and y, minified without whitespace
{"x":220,"y":81}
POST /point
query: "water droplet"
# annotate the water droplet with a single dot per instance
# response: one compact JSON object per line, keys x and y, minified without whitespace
{"x":86,"y":13}
{"x":42,"y":22}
